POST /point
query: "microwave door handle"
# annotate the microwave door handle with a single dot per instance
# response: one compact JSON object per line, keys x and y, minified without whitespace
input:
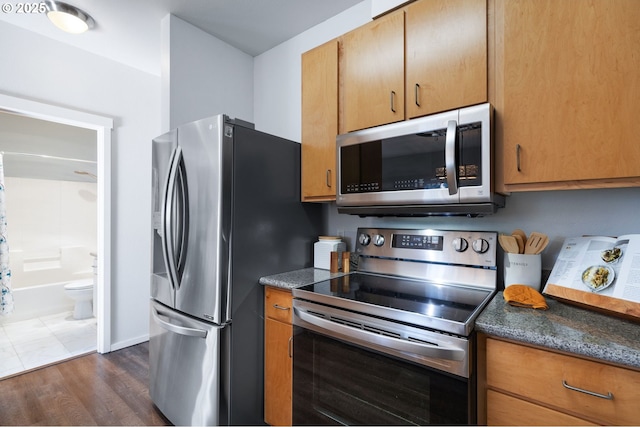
{"x":450,"y":157}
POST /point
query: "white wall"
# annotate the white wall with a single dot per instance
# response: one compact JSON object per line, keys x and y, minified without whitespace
{"x":52,"y":230}
{"x":40,"y":69}
{"x":560,"y":213}
{"x":202,"y":76}
{"x":277,"y":79}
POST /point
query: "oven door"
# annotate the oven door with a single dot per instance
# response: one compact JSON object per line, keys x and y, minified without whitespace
{"x":341,"y":380}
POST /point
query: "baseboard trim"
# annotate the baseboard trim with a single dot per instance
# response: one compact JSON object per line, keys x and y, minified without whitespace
{"x":129,"y":342}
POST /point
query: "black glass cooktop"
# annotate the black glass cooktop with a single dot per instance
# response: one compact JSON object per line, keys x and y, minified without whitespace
{"x":362,"y":292}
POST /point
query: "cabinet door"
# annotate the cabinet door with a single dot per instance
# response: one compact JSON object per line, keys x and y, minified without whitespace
{"x":504,"y":410}
{"x":372,"y":73}
{"x":446,"y":55}
{"x":319,"y":122}
{"x":278,"y":373}
{"x":567,"y":91}
{"x":582,"y":388}
{"x":278,"y":304}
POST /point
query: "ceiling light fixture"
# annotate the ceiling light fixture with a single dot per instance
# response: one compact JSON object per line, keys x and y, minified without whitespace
{"x":68,"y":18}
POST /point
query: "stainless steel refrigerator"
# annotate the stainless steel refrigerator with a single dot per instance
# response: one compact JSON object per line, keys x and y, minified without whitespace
{"x":226,"y":211}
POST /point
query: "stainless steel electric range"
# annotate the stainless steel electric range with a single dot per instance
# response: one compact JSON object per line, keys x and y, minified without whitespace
{"x":394,"y":342}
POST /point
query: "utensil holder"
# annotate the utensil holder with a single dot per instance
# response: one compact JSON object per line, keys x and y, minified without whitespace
{"x":523,"y":269}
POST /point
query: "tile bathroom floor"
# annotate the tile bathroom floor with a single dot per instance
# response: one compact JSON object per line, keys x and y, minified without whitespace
{"x":28,"y":344}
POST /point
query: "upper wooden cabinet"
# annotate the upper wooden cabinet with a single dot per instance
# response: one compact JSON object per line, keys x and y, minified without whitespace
{"x":566,"y":93}
{"x":446,"y":55}
{"x":426,"y":58}
{"x":372,"y":73}
{"x":319,"y":122}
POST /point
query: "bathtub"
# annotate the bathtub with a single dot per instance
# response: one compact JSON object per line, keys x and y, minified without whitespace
{"x":37,"y":301}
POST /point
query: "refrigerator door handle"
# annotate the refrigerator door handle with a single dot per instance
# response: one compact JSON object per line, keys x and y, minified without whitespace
{"x":169,"y":220}
{"x":181,"y":330}
{"x":182,"y":219}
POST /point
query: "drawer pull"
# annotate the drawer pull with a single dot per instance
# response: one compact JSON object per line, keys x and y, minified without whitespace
{"x":279,"y":307}
{"x":608,"y":396}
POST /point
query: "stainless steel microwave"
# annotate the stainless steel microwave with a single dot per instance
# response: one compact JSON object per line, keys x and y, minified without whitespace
{"x":435,"y":165}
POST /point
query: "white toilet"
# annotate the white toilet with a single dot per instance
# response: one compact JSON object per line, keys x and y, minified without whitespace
{"x":81,"y":291}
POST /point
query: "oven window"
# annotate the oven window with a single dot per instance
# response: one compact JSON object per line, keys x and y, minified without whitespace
{"x":338,"y":383}
{"x":470,"y":155}
{"x":411,"y":162}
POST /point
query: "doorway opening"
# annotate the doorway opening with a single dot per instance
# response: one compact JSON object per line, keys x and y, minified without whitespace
{"x":102,"y":127}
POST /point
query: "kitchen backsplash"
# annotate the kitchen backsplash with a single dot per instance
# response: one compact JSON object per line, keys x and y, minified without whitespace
{"x":559,"y":214}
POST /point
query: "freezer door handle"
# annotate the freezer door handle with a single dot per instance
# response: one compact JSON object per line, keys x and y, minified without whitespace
{"x":181,"y":330}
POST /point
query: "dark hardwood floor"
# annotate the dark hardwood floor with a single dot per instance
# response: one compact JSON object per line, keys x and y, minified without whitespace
{"x":96,"y":389}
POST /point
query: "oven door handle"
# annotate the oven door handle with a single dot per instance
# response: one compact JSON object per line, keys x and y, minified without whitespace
{"x":363,"y":337}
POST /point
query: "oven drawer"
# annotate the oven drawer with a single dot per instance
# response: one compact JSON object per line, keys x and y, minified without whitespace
{"x":591,"y":390}
{"x":278,"y":304}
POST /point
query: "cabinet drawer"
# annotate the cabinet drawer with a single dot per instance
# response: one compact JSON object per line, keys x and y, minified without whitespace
{"x":278,"y":304}
{"x":544,"y":376}
{"x":503,"y":410}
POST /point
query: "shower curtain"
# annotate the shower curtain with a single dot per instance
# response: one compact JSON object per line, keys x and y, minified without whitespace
{"x":6,"y":298}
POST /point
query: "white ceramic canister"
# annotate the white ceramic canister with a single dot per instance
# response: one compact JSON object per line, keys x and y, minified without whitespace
{"x":322,"y":250}
{"x":523,"y":269}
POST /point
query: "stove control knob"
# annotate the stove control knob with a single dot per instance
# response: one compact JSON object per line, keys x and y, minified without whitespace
{"x":460,"y":244}
{"x":378,"y":240}
{"x":364,"y":239}
{"x":480,"y":246}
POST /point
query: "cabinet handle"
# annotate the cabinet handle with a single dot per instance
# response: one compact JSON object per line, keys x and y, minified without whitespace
{"x":290,"y":347}
{"x":393,"y":101}
{"x":518,"y":148}
{"x":279,"y":307}
{"x":417,"y":94}
{"x":608,"y":396}
{"x":328,"y":178}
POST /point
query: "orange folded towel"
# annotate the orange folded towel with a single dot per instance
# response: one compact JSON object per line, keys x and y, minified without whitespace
{"x":524,"y":296}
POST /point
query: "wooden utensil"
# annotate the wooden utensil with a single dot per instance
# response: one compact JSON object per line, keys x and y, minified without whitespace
{"x":522,"y":234}
{"x":520,"y":243}
{"x":536,"y":243}
{"x":544,"y":241}
{"x":509,"y":244}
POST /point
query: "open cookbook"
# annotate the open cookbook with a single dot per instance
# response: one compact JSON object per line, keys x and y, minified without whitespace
{"x":600,"y":272}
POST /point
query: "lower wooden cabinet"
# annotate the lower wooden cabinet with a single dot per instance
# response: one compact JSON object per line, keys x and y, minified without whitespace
{"x":278,"y":357}
{"x":503,"y":409}
{"x":530,"y":386}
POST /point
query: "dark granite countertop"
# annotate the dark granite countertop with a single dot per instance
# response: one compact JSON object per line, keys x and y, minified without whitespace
{"x":563,"y":327}
{"x":298,"y":278}
{"x":566,"y":328}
